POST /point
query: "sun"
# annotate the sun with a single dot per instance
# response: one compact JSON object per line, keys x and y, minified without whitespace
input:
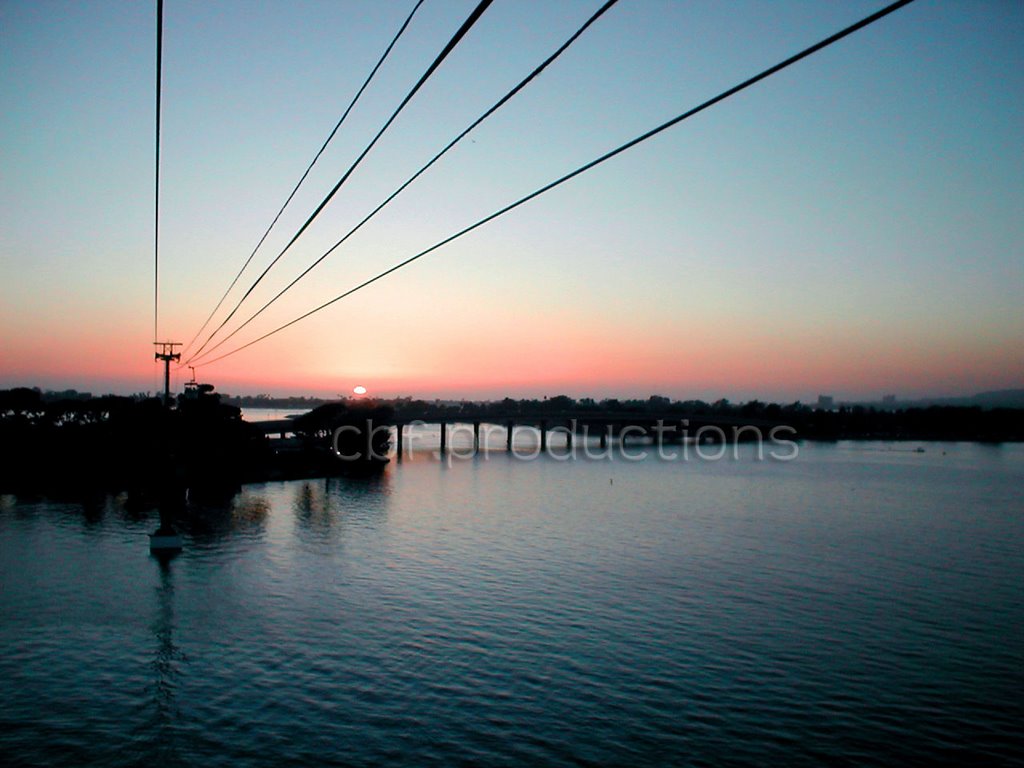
{"x":359,"y":390}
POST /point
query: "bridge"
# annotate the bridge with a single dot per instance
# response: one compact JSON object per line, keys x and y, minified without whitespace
{"x":663,"y":426}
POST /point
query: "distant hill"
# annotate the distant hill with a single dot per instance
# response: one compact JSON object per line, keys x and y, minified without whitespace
{"x":1001,"y":398}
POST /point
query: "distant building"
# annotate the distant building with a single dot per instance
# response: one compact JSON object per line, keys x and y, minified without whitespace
{"x":826,"y":402}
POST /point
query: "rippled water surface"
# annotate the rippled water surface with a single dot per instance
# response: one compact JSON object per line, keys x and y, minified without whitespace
{"x":862,"y":604}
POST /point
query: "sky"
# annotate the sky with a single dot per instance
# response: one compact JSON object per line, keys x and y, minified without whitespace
{"x":852,"y":226}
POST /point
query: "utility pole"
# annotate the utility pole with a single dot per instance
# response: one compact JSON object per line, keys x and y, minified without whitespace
{"x":167,"y":354}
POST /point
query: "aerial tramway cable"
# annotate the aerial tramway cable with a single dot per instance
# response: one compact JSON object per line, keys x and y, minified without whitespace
{"x":156,"y":183}
{"x":305,"y":173}
{"x":583,"y":168}
{"x":501,"y":102}
{"x":456,"y":38}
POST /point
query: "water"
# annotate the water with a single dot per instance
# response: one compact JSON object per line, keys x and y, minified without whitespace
{"x":861,"y":604}
{"x":271,"y":414}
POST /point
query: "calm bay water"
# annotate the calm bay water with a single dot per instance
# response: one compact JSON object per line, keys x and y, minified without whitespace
{"x":861,"y":604}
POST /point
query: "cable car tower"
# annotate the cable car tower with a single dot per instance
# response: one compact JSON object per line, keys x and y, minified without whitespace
{"x":167,"y":354}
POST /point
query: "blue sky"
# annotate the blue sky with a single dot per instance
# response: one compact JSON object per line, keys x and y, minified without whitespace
{"x":853,"y":225}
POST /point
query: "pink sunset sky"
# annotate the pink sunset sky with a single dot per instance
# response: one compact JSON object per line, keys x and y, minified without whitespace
{"x":852,"y":226}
